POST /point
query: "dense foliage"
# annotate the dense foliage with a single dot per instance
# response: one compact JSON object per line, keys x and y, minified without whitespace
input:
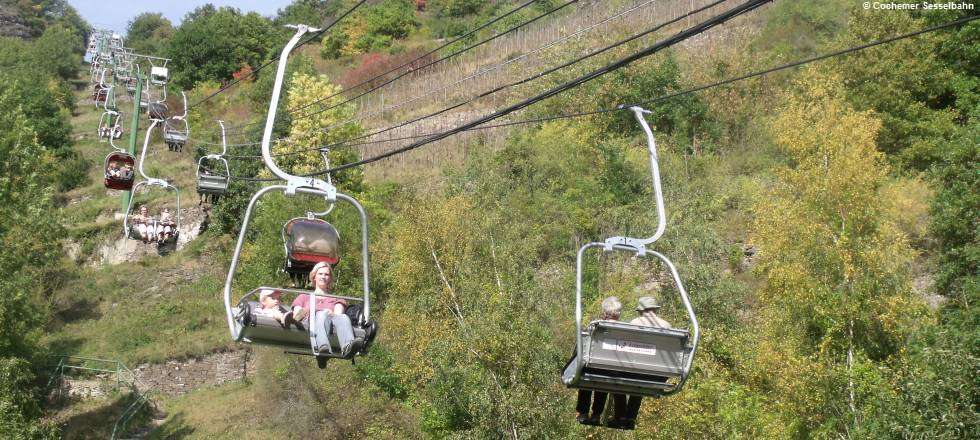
{"x":212,"y":43}
{"x":149,"y":33}
{"x":34,"y":135}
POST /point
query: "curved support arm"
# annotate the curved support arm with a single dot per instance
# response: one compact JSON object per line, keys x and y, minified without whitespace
{"x":146,"y":142}
{"x":183,"y":116}
{"x":233,"y":326}
{"x":224,"y":140}
{"x":274,"y":104}
{"x":641,"y":243}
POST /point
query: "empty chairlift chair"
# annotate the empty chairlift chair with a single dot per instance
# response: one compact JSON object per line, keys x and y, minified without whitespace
{"x":618,"y":357}
{"x":176,"y":130}
{"x":159,"y":75}
{"x":157,"y":110}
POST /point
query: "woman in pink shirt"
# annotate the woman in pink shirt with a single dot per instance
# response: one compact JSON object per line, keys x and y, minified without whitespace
{"x":329,"y":312}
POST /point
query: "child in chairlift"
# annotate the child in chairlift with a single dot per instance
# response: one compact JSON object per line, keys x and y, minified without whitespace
{"x":270,"y":305}
{"x":113,"y":170}
{"x":126,"y":172}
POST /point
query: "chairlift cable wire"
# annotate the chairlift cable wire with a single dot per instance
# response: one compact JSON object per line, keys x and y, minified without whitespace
{"x":406,"y":64}
{"x":623,"y":62}
{"x":503,"y":87}
{"x":669,"y":96}
{"x":481,"y":72}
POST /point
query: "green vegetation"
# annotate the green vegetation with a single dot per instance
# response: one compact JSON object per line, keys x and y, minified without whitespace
{"x":149,"y":33}
{"x":213,"y":43}
{"x":824,"y":221}
{"x":34,"y":143}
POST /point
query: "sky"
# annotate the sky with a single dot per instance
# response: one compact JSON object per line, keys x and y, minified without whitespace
{"x":116,"y":14}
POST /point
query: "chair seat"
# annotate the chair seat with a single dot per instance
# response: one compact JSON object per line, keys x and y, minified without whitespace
{"x":631,"y":359}
{"x":265,"y":330}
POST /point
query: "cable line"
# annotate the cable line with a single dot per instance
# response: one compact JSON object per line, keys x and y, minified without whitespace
{"x":533,"y":77}
{"x":666,"y":97}
{"x":450,"y":55}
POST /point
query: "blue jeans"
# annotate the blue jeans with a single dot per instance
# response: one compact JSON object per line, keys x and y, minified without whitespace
{"x":342,"y":327}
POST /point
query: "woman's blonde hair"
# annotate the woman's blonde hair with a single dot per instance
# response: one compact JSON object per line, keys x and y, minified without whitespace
{"x":319,"y":266}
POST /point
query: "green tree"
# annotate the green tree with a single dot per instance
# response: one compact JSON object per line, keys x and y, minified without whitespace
{"x":26,"y":207}
{"x":837,"y":292}
{"x":212,"y":44}
{"x":149,"y":33}
{"x":55,"y":51}
{"x":310,"y":132}
{"x":315,"y":13}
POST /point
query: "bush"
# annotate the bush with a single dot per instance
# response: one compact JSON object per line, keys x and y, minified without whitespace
{"x":456,"y":8}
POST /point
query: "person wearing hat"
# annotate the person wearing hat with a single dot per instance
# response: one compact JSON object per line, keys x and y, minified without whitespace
{"x":328,"y":312}
{"x":648,"y":308}
{"x":626,"y":409}
{"x":270,"y":306}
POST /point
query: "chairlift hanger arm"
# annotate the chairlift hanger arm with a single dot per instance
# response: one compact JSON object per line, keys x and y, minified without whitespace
{"x":640,"y":244}
{"x":291,"y":181}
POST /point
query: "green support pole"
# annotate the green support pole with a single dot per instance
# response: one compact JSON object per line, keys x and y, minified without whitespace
{"x":134,"y":127}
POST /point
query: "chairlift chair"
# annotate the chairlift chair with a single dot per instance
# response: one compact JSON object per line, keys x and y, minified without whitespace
{"x":128,"y":227}
{"x":172,"y":134}
{"x":208,"y":181}
{"x":120,"y":182}
{"x":174,"y":137}
{"x":148,"y":183}
{"x":110,"y":125}
{"x":244,"y":323}
{"x":159,"y":75}
{"x":618,"y":357}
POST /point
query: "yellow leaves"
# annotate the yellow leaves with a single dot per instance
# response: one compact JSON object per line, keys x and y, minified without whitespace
{"x":829,"y":247}
{"x":317,"y":125}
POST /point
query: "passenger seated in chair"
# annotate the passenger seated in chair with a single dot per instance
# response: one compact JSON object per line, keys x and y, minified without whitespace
{"x":270,"y":306}
{"x":166,"y":225}
{"x":627,"y":409}
{"x":328,"y":312}
{"x":611,"y":310}
{"x":126,"y":172}
{"x":113,"y":171}
{"x":144,"y":224}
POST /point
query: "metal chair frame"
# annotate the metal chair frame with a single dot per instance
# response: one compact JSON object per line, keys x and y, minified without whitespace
{"x":622,"y":381}
{"x":294,"y":185}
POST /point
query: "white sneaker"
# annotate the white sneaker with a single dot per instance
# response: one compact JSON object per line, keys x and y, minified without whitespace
{"x":300,"y":313}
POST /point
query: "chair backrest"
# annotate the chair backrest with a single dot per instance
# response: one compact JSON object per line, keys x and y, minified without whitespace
{"x":636,"y":350}
{"x":312,"y":240}
{"x":212,"y":183}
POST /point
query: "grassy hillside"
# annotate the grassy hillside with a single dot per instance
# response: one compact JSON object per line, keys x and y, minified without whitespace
{"x":805,"y":230}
